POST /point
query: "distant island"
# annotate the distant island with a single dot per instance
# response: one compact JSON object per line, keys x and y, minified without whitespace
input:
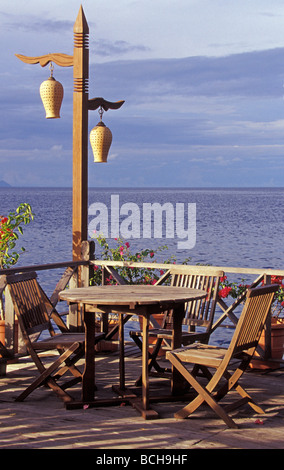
{"x":3,"y":184}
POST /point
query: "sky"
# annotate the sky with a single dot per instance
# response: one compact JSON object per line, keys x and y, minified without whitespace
{"x":202,"y":82}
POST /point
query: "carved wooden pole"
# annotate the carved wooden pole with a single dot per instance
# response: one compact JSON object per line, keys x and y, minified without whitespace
{"x":80,"y":132}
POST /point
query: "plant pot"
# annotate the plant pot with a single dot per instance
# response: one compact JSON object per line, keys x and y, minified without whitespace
{"x":152,"y":341}
{"x":277,"y":346}
{"x":104,"y":345}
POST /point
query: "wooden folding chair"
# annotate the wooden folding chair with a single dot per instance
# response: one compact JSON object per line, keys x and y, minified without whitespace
{"x":34,"y":312}
{"x":236,"y":359}
{"x":199,"y":314}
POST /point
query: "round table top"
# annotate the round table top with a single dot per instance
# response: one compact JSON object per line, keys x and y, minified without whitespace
{"x":131,"y":294}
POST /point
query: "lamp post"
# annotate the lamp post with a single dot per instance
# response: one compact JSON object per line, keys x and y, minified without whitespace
{"x":81,"y":106}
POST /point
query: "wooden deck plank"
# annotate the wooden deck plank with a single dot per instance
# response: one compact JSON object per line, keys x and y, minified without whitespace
{"x":42,"y":421}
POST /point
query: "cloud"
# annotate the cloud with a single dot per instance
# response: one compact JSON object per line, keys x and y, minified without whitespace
{"x":253,"y":75}
{"x":32,"y":23}
{"x":107,"y":48}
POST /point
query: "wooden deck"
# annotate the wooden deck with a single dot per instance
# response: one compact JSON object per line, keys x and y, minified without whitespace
{"x":42,"y":422}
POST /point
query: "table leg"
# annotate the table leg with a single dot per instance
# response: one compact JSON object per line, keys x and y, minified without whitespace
{"x":142,"y":406}
{"x":121,"y":354}
{"x":145,"y":410}
{"x":88,"y":379}
{"x":145,"y":360}
{"x":176,"y":378}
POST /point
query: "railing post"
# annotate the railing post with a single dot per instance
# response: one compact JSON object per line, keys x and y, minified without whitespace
{"x":72,"y":317}
{"x":87,"y":254}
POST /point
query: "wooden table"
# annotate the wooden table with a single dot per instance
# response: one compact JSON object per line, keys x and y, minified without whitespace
{"x":128,"y":300}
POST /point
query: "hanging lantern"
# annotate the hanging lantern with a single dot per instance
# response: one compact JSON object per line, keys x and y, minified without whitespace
{"x":51,"y":92}
{"x":100,"y":139}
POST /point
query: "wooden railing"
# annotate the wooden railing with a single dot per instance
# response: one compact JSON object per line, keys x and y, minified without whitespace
{"x":77,"y":273}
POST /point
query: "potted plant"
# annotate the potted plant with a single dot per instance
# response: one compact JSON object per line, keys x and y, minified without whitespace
{"x":10,"y":229}
{"x":277,"y":330}
{"x":122,"y":252}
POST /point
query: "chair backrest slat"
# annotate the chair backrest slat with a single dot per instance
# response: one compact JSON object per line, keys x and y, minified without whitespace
{"x":252,"y":319}
{"x":198,"y":312}
{"x":29,"y":305}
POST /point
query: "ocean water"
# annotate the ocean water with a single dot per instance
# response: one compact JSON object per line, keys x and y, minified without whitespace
{"x":234,"y":227}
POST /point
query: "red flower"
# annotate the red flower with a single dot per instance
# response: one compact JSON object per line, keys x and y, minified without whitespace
{"x":109,"y":279}
{"x":225,"y":292}
{"x":276,"y":279}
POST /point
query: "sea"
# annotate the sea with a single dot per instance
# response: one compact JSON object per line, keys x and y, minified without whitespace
{"x":233,"y":227}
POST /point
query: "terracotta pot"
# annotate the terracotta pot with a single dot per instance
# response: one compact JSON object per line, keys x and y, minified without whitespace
{"x":107,"y":345}
{"x":277,"y":346}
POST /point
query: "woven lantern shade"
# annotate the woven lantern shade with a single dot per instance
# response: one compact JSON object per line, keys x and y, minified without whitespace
{"x":51,"y":92}
{"x":100,"y":139}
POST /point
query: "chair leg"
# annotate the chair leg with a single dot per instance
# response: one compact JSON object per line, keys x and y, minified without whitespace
{"x":65,"y":397}
{"x":203,"y":395}
{"x":205,"y":372}
{"x":153,"y":364}
{"x":70,"y":365}
{"x":45,"y":377}
{"x":152,"y":358}
{"x":51,"y":383}
{"x":232,"y":382}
